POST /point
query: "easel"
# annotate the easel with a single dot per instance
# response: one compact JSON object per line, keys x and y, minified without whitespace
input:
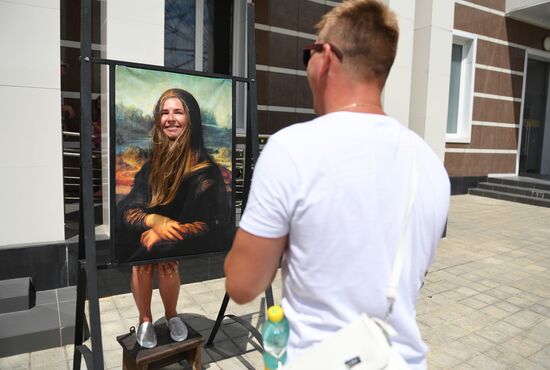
{"x":87,"y":284}
{"x":87,"y":261}
{"x":251,"y":156}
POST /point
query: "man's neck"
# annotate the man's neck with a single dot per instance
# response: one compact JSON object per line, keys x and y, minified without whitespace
{"x":353,"y":97}
{"x":362,"y":107}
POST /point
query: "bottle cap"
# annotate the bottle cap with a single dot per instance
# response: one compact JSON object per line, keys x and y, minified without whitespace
{"x":275,"y":313}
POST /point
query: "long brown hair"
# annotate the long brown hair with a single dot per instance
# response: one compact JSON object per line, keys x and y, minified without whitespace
{"x":172,"y":160}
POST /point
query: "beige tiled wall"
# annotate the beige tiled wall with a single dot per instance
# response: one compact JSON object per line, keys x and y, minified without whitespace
{"x":501,"y":47}
{"x":30,"y":138}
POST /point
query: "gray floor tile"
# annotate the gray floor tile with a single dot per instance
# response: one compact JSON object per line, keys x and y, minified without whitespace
{"x":48,"y":356}
{"x":542,"y":357}
{"x":21,"y":361}
{"x":485,"y":303}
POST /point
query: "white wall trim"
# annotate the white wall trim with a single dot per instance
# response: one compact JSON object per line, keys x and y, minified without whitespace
{"x":495,"y":124}
{"x":76,"y":95}
{"x":501,"y":175}
{"x":285,"y":31}
{"x":480,"y":151}
{"x":275,"y":108}
{"x":30,"y":87}
{"x":76,"y":45}
{"x":481,"y":7}
{"x":287,"y":71}
{"x":305,"y":110}
{"x":501,"y":42}
{"x":325,"y":2}
{"x":498,"y":69}
{"x":496,"y":97}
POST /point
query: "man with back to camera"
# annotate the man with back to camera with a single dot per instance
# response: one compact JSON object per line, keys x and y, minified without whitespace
{"x":329,"y":195}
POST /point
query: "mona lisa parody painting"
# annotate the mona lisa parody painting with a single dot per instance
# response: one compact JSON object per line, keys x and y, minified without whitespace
{"x":173,"y":164}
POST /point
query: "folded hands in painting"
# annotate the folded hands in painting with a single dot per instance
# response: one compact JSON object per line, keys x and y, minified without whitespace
{"x":149,"y":238}
{"x":161,"y":228}
{"x":165,"y":227}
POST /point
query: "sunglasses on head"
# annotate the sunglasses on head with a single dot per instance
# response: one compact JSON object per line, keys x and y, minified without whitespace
{"x":318,"y":48}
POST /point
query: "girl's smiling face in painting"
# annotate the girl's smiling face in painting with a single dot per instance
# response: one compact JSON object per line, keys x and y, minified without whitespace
{"x":174,"y":119}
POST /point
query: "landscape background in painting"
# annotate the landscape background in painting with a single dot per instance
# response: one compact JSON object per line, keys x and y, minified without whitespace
{"x":137,"y":91}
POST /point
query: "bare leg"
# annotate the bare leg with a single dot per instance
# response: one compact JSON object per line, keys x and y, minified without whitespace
{"x":142,"y":289}
{"x":169,"y":287}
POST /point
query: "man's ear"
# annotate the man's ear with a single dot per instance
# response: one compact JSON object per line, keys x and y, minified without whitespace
{"x":325,"y":59}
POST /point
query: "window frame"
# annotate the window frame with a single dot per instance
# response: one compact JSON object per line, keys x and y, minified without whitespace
{"x":240,"y":62}
{"x":468,"y":42}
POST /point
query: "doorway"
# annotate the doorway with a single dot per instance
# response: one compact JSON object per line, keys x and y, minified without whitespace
{"x":535,"y":137}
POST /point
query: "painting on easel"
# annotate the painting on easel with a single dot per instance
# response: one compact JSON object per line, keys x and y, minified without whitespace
{"x":173,"y":164}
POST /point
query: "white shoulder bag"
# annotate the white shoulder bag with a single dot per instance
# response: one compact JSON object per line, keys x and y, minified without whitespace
{"x":365,"y":342}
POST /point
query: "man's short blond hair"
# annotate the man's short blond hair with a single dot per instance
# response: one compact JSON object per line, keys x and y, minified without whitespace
{"x":366,"y":31}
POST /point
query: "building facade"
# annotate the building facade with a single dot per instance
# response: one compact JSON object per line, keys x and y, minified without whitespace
{"x":501,"y":53}
{"x":470,"y":77}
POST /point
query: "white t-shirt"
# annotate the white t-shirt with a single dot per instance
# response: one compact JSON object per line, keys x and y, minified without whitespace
{"x":339,"y":186}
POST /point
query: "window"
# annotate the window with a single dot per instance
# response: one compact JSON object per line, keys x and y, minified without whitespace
{"x":179,"y":34}
{"x":461,"y":88}
{"x":209,"y":36}
{"x":197,"y":35}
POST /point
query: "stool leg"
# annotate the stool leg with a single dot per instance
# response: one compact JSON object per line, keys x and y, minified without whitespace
{"x":197,"y":363}
{"x":193,"y":356}
{"x":128,"y":363}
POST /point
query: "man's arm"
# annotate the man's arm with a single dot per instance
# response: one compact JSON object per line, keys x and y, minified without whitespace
{"x":251,"y":265}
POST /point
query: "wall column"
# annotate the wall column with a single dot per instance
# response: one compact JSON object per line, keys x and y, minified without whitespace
{"x":132,"y":31}
{"x":396,"y":94}
{"x":433,"y":38}
{"x":31,"y":151}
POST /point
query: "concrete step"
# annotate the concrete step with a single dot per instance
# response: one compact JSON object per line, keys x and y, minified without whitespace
{"x":521,"y":181}
{"x":16,"y":295}
{"x":511,"y":189}
{"x":50,"y":323}
{"x":510,"y":197}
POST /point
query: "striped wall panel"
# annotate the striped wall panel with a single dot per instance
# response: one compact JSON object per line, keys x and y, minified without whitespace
{"x":500,"y":58}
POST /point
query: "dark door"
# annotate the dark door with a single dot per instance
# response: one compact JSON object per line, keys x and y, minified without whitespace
{"x":535,"y":118}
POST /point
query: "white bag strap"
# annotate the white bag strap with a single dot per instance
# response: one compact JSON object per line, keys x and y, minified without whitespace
{"x":400,"y":253}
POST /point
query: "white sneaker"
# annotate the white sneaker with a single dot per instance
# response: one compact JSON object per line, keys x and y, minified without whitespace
{"x":146,"y":336}
{"x":178,"y":330}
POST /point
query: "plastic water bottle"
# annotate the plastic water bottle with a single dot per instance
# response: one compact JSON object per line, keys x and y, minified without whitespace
{"x":275,"y":337}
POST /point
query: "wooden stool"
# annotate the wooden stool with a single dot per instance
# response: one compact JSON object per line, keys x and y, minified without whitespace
{"x":135,"y":357}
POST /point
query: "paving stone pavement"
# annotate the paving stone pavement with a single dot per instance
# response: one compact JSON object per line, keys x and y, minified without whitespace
{"x":485,"y":303}
{"x":486,"y":300}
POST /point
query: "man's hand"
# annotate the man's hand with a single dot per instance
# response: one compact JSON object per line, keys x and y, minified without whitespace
{"x":149,"y":238}
{"x":165,"y":227}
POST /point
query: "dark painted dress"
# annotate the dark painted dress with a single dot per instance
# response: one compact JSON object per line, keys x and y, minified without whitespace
{"x":202,"y":205}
